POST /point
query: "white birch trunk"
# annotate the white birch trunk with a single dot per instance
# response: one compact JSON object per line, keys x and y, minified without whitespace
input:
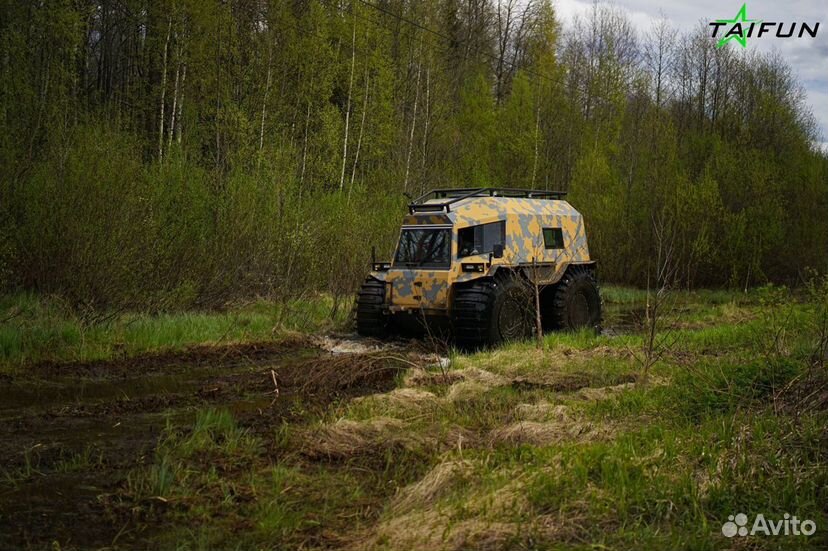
{"x":163,"y":92}
{"x":171,"y":129}
{"x":359,"y":139}
{"x":537,"y":142}
{"x":348,"y":110}
{"x":413,"y":125}
{"x":425,"y":128}
{"x":264,"y":102}
{"x":178,"y":123}
{"x":304,"y":152}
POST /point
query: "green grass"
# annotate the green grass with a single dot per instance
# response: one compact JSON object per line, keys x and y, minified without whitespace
{"x":614,"y":294}
{"x":38,"y":328}
{"x":218,"y":478}
{"x":214,"y":443}
{"x":33,"y":464}
{"x":716,"y":429}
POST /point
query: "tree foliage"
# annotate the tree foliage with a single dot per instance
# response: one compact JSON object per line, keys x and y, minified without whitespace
{"x":166,"y":153}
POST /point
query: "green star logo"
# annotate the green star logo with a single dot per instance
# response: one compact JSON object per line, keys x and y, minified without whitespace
{"x":738,"y":28}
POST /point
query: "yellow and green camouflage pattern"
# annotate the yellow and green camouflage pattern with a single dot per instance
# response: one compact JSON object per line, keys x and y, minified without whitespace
{"x":429,"y":290}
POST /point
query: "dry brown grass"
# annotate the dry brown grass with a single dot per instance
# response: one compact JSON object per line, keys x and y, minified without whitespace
{"x":402,"y":399}
{"x":464,"y":384}
{"x":424,"y":515}
{"x":565,"y":359}
{"x":433,"y":531}
{"x":467,"y":383}
{"x":483,"y":377}
{"x":544,"y":423}
{"x":542,"y":411}
{"x":346,"y":438}
{"x":424,"y":493}
{"x":487,"y":525}
{"x":543,"y":434}
{"x":420,"y":377}
{"x":465,"y":391}
{"x":604,"y":392}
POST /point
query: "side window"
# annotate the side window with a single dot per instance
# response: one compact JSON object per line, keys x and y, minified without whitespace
{"x":480,"y":239}
{"x":553,"y":238}
{"x":492,"y":235}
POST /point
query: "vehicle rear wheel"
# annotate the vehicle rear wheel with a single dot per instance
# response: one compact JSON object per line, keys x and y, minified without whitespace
{"x":488,"y":312}
{"x":371,"y":319}
{"x":577,"y":300}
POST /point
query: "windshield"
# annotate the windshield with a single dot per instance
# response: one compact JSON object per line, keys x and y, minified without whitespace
{"x":427,"y":248}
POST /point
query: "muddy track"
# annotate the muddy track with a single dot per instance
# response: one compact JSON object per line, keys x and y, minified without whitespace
{"x":193,"y":356}
{"x":71,"y":432}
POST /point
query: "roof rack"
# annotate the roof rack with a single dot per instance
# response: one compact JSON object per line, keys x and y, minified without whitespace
{"x":452,"y":196}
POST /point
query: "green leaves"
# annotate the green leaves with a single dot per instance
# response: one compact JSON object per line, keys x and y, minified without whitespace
{"x":146,"y":169}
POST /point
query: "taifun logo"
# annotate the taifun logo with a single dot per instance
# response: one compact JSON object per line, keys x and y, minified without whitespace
{"x":737,"y":525}
{"x":740,"y":28}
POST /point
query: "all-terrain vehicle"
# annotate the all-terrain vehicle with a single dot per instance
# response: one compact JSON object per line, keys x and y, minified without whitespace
{"x":468,"y":262}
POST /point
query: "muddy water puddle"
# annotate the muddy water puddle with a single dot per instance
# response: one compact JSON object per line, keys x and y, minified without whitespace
{"x":71,"y":433}
{"x":623,"y":319}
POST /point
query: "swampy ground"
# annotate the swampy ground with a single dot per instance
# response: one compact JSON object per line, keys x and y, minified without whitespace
{"x":266,"y":428}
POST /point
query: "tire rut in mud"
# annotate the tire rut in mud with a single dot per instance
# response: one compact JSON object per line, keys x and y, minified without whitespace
{"x":67,"y":447}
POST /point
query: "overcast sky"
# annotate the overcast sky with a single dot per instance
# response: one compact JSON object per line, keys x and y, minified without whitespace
{"x":808,"y":56}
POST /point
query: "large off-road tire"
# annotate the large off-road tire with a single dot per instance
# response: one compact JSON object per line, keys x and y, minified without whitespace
{"x":576,"y":301}
{"x":488,"y":312}
{"x":371,"y":318}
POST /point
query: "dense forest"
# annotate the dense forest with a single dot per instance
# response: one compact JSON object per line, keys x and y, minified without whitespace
{"x":178,"y":153}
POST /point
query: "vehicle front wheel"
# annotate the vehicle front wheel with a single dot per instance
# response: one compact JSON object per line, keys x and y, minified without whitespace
{"x":371,"y":318}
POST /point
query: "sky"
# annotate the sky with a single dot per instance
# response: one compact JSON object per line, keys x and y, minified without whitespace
{"x":807,"y":56}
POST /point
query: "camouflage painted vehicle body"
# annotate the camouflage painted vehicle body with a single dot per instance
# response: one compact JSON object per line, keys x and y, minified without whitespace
{"x":483,"y":234}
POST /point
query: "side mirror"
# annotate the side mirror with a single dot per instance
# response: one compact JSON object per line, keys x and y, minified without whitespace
{"x":497,"y":250}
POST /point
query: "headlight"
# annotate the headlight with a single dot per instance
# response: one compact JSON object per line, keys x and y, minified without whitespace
{"x":473,"y":267}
